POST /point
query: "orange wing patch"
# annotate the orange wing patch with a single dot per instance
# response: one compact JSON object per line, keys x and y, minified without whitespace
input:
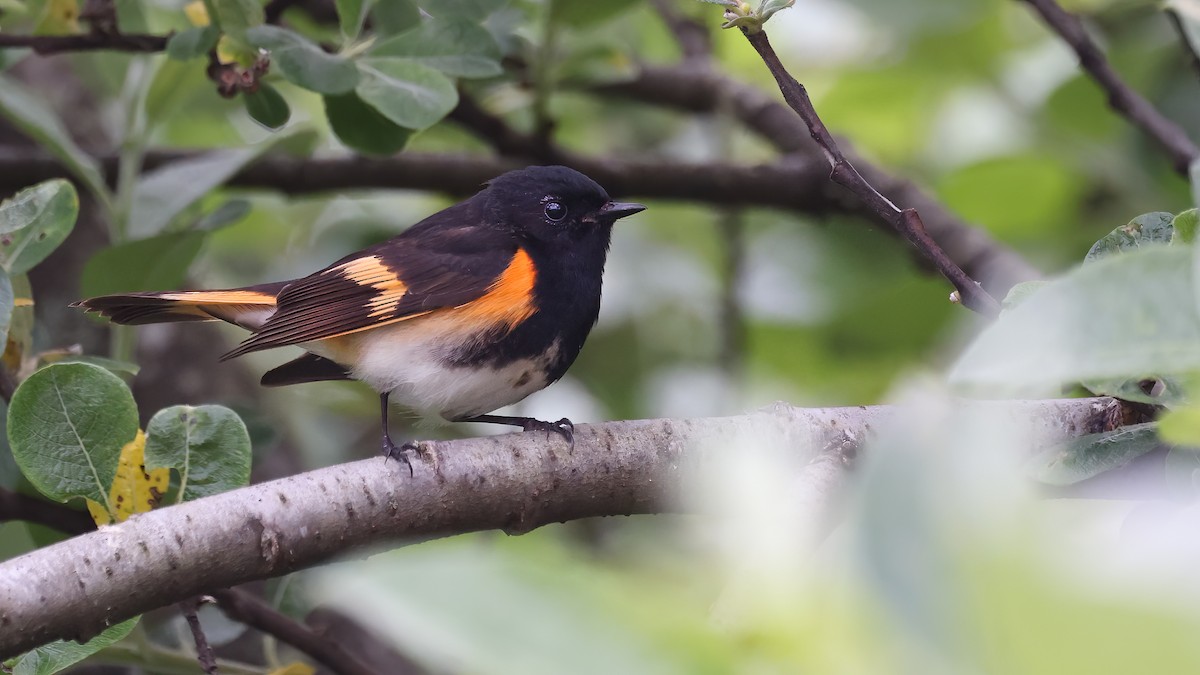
{"x":372,"y":272}
{"x":509,"y":300}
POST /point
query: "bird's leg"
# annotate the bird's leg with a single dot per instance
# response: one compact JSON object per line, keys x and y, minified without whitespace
{"x":390,"y":449}
{"x":563,"y":427}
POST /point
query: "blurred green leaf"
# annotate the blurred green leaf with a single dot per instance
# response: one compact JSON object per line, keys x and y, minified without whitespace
{"x":350,"y":16}
{"x":395,"y":16}
{"x":236,"y":17}
{"x":304,"y":63}
{"x":164,"y":193}
{"x":1146,"y":229}
{"x":1164,"y":390}
{"x":1089,"y":456}
{"x":1018,"y":196}
{"x":1181,"y":426}
{"x":456,"y":47}
{"x":1128,"y":316}
{"x":412,"y":95}
{"x":364,"y":128}
{"x":267,"y":106}
{"x":66,"y":425}
{"x":208,"y":445}
{"x":1183,"y":227}
{"x":34,"y":222}
{"x":34,"y":118}
{"x":62,"y":654}
{"x":6,"y":306}
{"x":226,"y":214}
{"x":192,"y":43}
{"x":151,"y":264}
{"x":476,"y":10}
{"x":1022,"y":292}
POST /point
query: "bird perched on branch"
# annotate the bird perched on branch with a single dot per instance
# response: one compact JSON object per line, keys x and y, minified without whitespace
{"x":470,"y":310}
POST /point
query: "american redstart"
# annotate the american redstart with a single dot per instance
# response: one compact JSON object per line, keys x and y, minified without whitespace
{"x":470,"y":310}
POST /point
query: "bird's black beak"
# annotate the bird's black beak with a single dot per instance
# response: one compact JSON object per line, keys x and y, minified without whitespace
{"x":615,"y":210}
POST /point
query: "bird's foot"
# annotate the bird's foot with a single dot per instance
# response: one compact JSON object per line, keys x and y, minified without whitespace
{"x":563,"y":427}
{"x":400,"y":453}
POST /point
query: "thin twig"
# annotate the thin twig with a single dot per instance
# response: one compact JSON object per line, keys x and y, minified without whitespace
{"x":54,"y":44}
{"x":1121,"y":97}
{"x":16,"y":506}
{"x":1185,"y":39}
{"x":906,"y":221}
{"x":204,"y":651}
{"x":245,"y":608}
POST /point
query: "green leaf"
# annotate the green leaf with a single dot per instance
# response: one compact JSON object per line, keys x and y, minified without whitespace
{"x":142,"y":265}
{"x":124,"y":369}
{"x":1130,"y":316}
{"x":164,"y":193}
{"x":350,"y":16}
{"x":1091,"y":455}
{"x":208,"y":445}
{"x":37,"y":120}
{"x":304,"y":63}
{"x":1183,"y":227}
{"x":395,"y":16}
{"x":412,"y":95}
{"x":267,"y":106}
{"x":235,"y":17}
{"x":226,"y":214}
{"x":456,"y":47}
{"x":476,"y":10}
{"x":364,"y":128}
{"x":34,"y":222}
{"x":1181,"y":426}
{"x":66,"y":425}
{"x":6,"y":307}
{"x":192,"y":43}
{"x":1146,"y":229}
{"x":62,"y":654}
{"x":1165,"y":390}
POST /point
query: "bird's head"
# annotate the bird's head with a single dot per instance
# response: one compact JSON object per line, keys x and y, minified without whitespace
{"x":554,"y":204}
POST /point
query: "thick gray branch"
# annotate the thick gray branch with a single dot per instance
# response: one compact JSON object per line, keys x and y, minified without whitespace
{"x":515,"y":483}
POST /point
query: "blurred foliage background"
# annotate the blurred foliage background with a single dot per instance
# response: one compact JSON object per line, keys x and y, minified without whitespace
{"x":706,"y":311}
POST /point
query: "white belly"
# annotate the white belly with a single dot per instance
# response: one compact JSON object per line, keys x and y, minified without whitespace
{"x":407,"y":359}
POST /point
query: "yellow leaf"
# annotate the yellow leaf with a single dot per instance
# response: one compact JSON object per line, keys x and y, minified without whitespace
{"x":294,"y":668}
{"x":134,"y":490}
{"x":59,"y":17}
{"x":197,"y":13}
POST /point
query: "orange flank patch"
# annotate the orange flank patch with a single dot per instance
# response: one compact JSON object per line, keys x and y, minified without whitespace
{"x":509,"y":300}
{"x":371,"y":271}
{"x":220,"y":297}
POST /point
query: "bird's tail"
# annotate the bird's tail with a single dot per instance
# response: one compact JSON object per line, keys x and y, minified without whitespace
{"x":247,"y":307}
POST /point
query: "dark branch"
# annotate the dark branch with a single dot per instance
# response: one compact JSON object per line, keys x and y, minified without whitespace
{"x":245,"y":608}
{"x":16,"y":506}
{"x":86,"y":42}
{"x":906,"y":221}
{"x":704,"y":91}
{"x":1121,"y":97}
{"x":204,"y":651}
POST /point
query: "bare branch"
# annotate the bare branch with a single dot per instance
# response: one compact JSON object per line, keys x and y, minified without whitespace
{"x":1121,"y":97}
{"x":702,"y":90}
{"x":204,"y":651}
{"x":517,"y":482}
{"x":905,"y":221}
{"x":86,"y":42}
{"x":245,"y":608}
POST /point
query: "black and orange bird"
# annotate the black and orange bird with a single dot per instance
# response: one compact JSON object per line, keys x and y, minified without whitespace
{"x":470,"y":310}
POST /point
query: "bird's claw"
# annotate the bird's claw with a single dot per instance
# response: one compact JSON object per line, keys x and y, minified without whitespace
{"x":563,"y":427}
{"x":392,"y":451}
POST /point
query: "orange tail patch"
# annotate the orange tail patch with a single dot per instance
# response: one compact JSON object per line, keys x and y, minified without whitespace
{"x":246,"y":307}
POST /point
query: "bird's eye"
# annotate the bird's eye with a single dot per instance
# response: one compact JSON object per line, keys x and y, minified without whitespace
{"x":555,"y":211}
